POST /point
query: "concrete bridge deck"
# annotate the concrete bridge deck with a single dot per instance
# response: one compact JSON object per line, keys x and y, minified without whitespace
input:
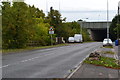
{"x":94,"y":25}
{"x":97,"y":30}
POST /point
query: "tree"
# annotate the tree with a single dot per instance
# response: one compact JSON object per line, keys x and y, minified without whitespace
{"x":17,"y":25}
{"x":115,"y":27}
{"x":22,"y":24}
{"x":41,"y":32}
{"x":70,"y":28}
{"x":54,"y":19}
{"x":7,"y":25}
{"x":36,"y":13}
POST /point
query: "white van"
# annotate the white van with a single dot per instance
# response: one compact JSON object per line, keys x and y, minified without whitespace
{"x":78,"y":38}
{"x":71,"y":39}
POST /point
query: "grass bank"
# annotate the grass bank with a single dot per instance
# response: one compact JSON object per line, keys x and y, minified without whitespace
{"x":104,"y":61}
{"x":108,"y":47}
{"x":108,"y":52}
{"x":5,"y":51}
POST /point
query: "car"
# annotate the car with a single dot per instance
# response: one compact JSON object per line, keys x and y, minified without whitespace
{"x":71,"y":39}
{"x":107,"y":42}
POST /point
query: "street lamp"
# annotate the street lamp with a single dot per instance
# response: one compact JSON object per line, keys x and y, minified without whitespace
{"x":46,"y":7}
{"x":107,"y":23}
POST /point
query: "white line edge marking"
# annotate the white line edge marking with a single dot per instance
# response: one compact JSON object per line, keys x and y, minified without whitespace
{"x":77,"y":67}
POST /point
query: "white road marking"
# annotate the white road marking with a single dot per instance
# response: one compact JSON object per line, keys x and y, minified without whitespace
{"x":115,"y":56}
{"x":110,"y":76}
{"x":26,"y":60}
{"x":5,"y":66}
{"x":29,"y":59}
{"x":39,"y":56}
{"x":80,"y":64}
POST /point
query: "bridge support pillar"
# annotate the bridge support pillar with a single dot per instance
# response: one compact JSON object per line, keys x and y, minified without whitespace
{"x":90,"y":34}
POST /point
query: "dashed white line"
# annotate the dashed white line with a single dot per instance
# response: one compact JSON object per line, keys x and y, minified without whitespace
{"x":25,"y":60}
{"x":5,"y":66}
{"x":29,"y":59}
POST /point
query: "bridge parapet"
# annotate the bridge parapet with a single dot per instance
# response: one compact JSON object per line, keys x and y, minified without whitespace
{"x":94,"y":25}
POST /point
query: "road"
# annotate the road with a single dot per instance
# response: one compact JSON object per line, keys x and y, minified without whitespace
{"x":46,"y":63}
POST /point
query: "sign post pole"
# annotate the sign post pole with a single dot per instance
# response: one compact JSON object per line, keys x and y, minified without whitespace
{"x":51,"y":31}
{"x":51,"y":40}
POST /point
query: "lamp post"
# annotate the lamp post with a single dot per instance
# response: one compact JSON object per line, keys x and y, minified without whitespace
{"x":107,"y":22}
{"x":59,"y":5}
{"x":46,"y":7}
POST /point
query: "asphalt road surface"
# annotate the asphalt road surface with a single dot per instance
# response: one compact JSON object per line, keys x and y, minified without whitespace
{"x":46,"y":63}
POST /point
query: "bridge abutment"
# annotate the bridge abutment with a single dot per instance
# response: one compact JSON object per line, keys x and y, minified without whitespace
{"x":97,"y":30}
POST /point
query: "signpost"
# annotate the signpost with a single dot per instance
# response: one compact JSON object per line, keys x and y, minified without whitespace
{"x":51,"y":31}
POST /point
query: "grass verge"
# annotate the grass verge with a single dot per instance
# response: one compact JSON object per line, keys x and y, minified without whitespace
{"x":30,"y":48}
{"x":89,"y":41}
{"x":104,"y":61}
{"x":108,"y":47}
{"x":108,"y":52}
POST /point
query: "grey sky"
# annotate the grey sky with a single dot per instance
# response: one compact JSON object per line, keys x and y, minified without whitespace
{"x":77,"y":5}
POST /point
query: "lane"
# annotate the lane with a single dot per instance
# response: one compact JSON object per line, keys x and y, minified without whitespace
{"x":17,"y":57}
{"x":47,"y":63}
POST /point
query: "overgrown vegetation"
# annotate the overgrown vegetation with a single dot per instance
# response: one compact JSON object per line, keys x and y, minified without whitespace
{"x":115,"y":27}
{"x":5,"y":51}
{"x":23,"y":24}
{"x":108,"y":47}
{"x":108,"y":52}
{"x":104,"y":61}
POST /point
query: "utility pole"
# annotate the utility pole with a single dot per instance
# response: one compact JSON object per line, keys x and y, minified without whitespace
{"x":46,"y":6}
{"x":107,"y":22}
{"x":59,"y":5}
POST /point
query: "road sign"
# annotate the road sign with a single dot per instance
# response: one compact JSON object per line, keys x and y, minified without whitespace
{"x":51,"y":32}
{"x":51,"y":29}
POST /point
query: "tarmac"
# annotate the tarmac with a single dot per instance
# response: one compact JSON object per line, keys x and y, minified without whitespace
{"x":98,"y":72}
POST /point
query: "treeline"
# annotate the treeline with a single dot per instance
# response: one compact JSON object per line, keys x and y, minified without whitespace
{"x":22,"y":23}
{"x":115,"y":28}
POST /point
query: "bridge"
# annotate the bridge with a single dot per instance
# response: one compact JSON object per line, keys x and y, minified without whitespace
{"x":97,"y":30}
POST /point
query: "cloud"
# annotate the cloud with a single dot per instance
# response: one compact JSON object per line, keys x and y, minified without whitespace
{"x":78,"y":5}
